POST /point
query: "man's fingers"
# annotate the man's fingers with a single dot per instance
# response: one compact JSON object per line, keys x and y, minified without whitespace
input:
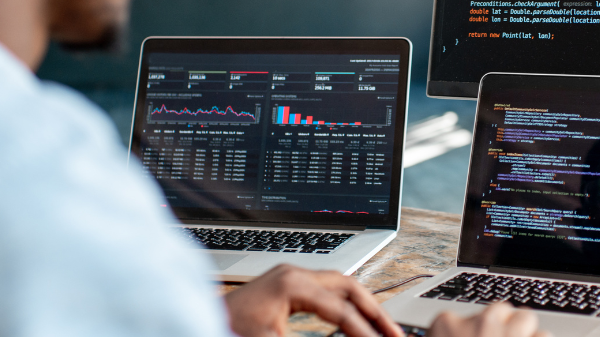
{"x":364,"y":301}
{"x":522,"y":323}
{"x":491,"y":322}
{"x":447,"y":322}
{"x":498,"y":320}
{"x":498,"y":313}
{"x":543,"y":334}
{"x":338,"y":311}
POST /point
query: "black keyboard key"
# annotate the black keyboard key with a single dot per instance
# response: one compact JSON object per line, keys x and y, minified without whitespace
{"x":257,"y":248}
{"x":560,"y":304}
{"x":465,"y":299}
{"x":518,"y":301}
{"x":488,"y":295}
{"x":431,"y":294}
{"x":234,"y":247}
{"x":447,"y":297}
{"x":450,"y":287}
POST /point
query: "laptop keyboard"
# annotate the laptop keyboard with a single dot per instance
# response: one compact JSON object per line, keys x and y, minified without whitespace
{"x":536,"y":294}
{"x":266,"y":241}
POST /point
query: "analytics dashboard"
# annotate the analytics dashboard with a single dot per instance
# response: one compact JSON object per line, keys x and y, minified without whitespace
{"x":291,"y":132}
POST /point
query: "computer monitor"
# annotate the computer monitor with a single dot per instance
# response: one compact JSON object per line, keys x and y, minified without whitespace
{"x":472,"y":38}
{"x":274,"y":129}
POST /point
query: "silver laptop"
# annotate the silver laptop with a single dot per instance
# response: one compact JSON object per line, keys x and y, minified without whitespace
{"x":276,"y":150}
{"x":531,"y":222}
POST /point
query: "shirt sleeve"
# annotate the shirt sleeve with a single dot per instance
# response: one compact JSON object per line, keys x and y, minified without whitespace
{"x":86,"y":249}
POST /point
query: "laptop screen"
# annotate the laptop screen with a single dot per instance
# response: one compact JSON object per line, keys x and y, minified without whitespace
{"x":474,"y":37}
{"x":533,"y":196}
{"x":274,"y":130}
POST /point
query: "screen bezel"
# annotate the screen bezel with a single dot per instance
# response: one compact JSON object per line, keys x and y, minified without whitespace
{"x":445,"y":89}
{"x":339,"y":46}
{"x":468,"y":252}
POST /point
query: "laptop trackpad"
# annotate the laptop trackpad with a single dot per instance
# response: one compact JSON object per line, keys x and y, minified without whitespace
{"x":595,"y":333}
{"x":224,"y":261}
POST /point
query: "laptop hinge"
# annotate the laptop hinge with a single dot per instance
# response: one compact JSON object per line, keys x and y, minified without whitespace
{"x":262,"y":224}
{"x":544,"y":274}
{"x":470,"y":265}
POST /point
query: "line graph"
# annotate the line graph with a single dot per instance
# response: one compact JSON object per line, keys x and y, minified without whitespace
{"x":340,"y":212}
{"x":178,"y":112}
{"x":214,"y":110}
{"x":205,"y":107}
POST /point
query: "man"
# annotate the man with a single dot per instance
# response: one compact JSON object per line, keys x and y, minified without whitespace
{"x":82,"y":253}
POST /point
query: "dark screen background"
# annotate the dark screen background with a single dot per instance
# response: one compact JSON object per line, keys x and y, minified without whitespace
{"x":534,"y":201}
{"x":530,"y":37}
{"x":259,"y":164}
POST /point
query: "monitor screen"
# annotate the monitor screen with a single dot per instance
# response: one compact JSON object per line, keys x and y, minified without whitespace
{"x":273,"y":135}
{"x":533,"y":195}
{"x":472,"y":38}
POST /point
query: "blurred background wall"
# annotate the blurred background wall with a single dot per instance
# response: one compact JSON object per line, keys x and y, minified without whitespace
{"x":438,"y":138}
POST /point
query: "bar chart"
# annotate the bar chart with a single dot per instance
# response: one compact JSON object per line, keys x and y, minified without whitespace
{"x":286,"y":115}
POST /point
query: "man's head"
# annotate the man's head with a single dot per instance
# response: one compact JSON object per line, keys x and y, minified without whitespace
{"x":87,"y":24}
{"x":26,"y":26}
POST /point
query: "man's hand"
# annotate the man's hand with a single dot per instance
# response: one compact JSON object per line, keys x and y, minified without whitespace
{"x":263,"y":306}
{"x":498,"y":320}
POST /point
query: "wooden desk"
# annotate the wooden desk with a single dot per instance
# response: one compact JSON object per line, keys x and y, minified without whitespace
{"x":426,"y":244}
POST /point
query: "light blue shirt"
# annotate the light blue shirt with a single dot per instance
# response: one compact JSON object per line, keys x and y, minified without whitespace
{"x":85,"y":250}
